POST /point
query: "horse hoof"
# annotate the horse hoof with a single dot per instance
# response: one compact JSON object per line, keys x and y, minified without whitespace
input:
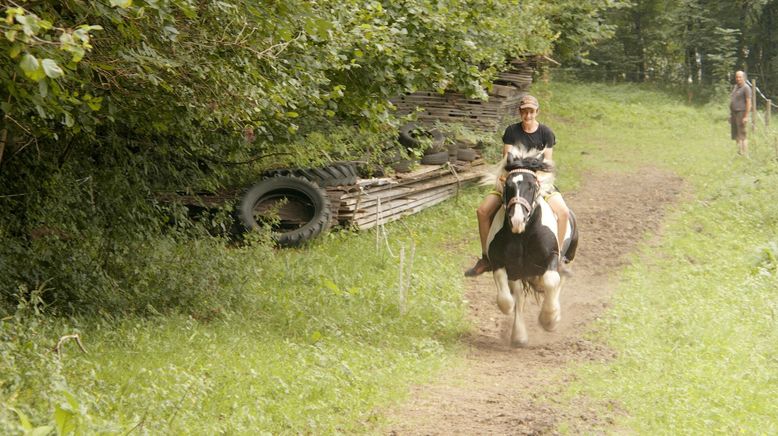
{"x":505,"y":302}
{"x":550,"y":321}
{"x":519,"y":343}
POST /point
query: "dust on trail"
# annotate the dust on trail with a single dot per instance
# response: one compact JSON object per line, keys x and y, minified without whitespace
{"x":506,"y":391}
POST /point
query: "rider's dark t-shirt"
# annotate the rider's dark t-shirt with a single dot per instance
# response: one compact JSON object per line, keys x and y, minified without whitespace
{"x":539,"y":139}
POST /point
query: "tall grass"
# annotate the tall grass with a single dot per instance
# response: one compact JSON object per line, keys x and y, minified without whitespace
{"x":693,"y":320}
{"x":319,"y":340}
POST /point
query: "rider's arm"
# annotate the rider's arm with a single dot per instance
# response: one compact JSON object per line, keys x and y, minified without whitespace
{"x":500,"y":180}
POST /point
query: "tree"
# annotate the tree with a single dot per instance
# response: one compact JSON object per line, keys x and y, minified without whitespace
{"x":689,"y":41}
{"x":107,"y":102}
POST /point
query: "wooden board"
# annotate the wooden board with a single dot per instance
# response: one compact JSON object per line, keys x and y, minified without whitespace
{"x":409,"y":207}
{"x":416,"y":191}
{"x":452,"y":107}
{"x":368,"y":199}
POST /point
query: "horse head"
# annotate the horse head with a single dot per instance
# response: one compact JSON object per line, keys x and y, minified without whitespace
{"x":521,"y":189}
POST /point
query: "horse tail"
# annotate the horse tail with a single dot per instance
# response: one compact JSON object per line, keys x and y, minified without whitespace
{"x":532,"y":290}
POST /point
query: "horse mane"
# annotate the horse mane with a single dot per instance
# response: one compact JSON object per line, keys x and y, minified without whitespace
{"x":518,"y":157}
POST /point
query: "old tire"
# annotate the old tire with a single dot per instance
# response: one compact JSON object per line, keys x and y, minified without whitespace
{"x":467,"y":154}
{"x":403,"y":165}
{"x":310,"y":214}
{"x":411,"y":133}
{"x":337,"y":174}
{"x":435,"y":158}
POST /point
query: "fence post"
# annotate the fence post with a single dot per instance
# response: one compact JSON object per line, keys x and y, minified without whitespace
{"x":401,"y":281}
{"x":753,"y":106}
{"x":768,"y":111}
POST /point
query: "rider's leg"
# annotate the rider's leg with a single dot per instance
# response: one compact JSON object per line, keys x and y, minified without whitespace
{"x":485,"y":213}
{"x":562,"y":212}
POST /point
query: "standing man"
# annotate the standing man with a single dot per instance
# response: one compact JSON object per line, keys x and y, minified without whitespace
{"x":739,"y":108}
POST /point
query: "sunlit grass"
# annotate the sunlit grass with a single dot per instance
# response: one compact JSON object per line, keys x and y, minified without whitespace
{"x":694,"y":319}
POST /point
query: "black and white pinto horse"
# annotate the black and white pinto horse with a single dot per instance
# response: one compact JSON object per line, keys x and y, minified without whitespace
{"x":522,"y":245}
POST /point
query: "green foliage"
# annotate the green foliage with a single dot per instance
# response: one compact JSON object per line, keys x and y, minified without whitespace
{"x":106,"y":104}
{"x":283,"y":69}
{"x":35,"y":394}
{"x":38,"y":53}
{"x":689,"y":43}
{"x":580,"y":26}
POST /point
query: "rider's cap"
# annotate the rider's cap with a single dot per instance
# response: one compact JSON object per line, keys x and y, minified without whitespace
{"x":528,"y":101}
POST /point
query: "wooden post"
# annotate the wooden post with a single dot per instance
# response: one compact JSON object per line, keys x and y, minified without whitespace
{"x":410,"y":265}
{"x":768,"y":111}
{"x":753,"y":106}
{"x":401,"y":281}
{"x":377,"y":224}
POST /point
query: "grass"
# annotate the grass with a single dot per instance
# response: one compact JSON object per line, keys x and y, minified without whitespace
{"x":693,"y":320}
{"x":319,"y":343}
{"x":319,"y":340}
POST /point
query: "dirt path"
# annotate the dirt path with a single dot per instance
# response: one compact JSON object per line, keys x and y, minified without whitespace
{"x":505,"y":391}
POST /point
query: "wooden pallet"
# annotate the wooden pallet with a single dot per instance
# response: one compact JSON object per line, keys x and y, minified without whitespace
{"x":366,"y":207}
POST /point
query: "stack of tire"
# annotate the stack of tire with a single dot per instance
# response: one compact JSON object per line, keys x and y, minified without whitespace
{"x":414,"y":136}
{"x":466,"y":153}
{"x":300,"y":192}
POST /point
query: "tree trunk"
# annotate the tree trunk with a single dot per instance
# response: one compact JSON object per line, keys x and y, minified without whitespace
{"x":641,"y":49}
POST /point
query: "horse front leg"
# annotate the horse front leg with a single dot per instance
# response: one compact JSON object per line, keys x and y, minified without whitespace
{"x":550,"y":311}
{"x":519,"y":337}
{"x":504,"y":298}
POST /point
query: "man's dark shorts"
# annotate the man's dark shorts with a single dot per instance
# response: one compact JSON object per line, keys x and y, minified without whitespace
{"x":738,"y":125}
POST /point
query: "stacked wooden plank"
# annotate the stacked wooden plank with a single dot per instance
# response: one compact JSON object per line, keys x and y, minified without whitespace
{"x":519,"y":75}
{"x":365,"y":206}
{"x":453,"y":107}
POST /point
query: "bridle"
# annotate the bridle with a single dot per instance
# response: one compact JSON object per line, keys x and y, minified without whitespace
{"x":519,"y":199}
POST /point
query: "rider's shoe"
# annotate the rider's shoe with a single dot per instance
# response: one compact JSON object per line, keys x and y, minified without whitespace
{"x":479,"y":268}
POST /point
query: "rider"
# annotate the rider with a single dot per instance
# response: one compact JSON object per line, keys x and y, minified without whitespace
{"x":534,"y":136}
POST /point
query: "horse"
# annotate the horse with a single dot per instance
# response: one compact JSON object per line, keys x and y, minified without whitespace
{"x":522,"y":246}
